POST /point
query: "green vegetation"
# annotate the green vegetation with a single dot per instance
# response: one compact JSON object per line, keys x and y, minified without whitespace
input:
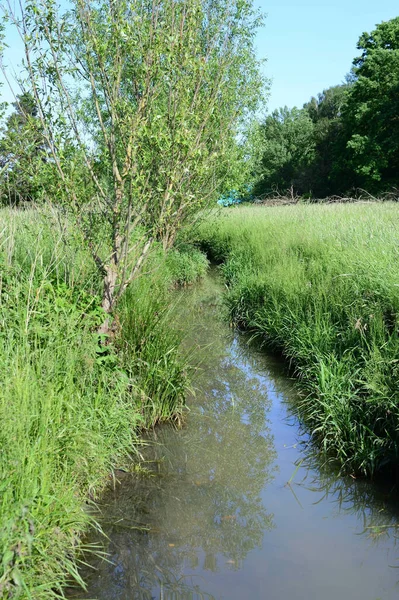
{"x":346,"y":138}
{"x":130,"y":120}
{"x":124,"y":127}
{"x":70,"y":408}
{"x":186,"y":264}
{"x":136,"y":106}
{"x":23,"y":155}
{"x":321,"y":285}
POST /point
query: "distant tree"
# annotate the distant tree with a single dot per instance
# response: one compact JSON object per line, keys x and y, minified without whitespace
{"x":23,"y":153}
{"x":371,"y":115}
{"x":3,"y":105}
{"x":286,"y":149}
{"x":328,"y":105}
{"x":329,"y":172}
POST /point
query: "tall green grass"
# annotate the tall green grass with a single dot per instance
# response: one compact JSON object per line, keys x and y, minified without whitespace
{"x":70,"y":410}
{"x":185,"y":264}
{"x":321,"y":284}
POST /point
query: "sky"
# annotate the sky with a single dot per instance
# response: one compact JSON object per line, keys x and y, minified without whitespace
{"x":309,"y":44}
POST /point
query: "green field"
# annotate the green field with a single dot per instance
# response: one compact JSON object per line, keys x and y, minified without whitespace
{"x":70,"y":408}
{"x":321,"y":285}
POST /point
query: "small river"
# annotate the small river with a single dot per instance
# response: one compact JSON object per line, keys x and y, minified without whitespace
{"x":236,"y":504}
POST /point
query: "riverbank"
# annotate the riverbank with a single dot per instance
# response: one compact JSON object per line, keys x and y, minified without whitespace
{"x":71,"y":409}
{"x":320,"y":285}
{"x":236,"y":504}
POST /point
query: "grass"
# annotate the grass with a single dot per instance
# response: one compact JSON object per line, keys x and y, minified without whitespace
{"x":70,"y":411}
{"x":186,"y":264}
{"x":321,"y":285}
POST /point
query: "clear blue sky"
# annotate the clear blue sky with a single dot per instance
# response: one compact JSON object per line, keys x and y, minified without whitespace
{"x":309,"y":45}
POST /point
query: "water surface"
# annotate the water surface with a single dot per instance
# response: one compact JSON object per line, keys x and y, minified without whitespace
{"x":236,"y":504}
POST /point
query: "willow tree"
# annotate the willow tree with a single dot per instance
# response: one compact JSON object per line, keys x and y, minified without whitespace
{"x":151,"y":96}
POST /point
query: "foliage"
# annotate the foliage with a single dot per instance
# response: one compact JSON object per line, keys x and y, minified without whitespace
{"x":70,"y":409}
{"x":23,"y":155}
{"x":371,"y":114}
{"x":305,"y":150}
{"x":149,"y":349}
{"x":346,"y":137}
{"x":288,"y":147}
{"x":319,"y":283}
{"x":186,"y":264}
{"x":151,"y":97}
{"x":329,"y":173}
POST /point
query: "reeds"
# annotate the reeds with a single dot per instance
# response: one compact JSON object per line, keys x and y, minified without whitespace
{"x":70,"y":409}
{"x":321,"y":284}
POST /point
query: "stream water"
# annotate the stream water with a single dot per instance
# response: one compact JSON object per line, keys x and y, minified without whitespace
{"x":236,"y":504}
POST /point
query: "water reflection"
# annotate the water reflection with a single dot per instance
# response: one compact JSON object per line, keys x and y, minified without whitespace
{"x":198,"y":519}
{"x":200,"y":500}
{"x":374,"y":504}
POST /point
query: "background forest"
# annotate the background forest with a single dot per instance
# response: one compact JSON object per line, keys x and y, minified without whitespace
{"x":347,"y":137}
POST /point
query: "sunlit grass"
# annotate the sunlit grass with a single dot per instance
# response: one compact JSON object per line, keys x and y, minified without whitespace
{"x":70,"y":410}
{"x":321,"y":284}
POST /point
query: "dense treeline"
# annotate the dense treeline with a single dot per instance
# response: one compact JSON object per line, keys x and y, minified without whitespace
{"x":345,"y":138}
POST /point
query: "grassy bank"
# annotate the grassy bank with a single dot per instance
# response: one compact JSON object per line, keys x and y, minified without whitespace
{"x":321,"y":284}
{"x":70,"y":410}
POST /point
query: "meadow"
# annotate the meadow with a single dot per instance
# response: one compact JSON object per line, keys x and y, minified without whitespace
{"x":320,"y":284}
{"x":72,"y":408}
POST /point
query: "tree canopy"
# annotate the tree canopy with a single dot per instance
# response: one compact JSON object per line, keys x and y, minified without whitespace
{"x":23,"y":154}
{"x":287,"y":141}
{"x":140,"y":105}
{"x":346,"y":137}
{"x":372,"y":110}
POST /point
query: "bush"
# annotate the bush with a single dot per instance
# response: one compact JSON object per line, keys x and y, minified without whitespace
{"x":186,"y":264}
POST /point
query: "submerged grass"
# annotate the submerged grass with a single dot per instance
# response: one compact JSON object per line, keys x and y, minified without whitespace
{"x":321,"y":284}
{"x":70,"y":410}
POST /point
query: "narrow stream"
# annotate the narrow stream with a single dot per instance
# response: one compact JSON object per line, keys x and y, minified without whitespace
{"x":236,"y":505}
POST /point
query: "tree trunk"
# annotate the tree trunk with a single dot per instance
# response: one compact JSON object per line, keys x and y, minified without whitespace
{"x":168,"y":238}
{"x":107,"y":303}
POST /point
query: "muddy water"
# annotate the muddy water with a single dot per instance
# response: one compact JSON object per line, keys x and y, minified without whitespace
{"x":236,"y":505}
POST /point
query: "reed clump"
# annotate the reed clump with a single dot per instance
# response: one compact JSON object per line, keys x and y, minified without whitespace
{"x":70,"y":408}
{"x":321,"y":285}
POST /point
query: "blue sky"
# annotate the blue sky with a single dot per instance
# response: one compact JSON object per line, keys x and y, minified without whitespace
{"x":309,"y":45}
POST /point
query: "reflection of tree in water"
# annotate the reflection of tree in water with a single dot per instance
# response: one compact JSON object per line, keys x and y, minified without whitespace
{"x":201,"y":505}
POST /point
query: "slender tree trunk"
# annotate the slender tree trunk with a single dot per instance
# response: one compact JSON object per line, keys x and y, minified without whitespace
{"x":168,"y":238}
{"x":107,"y":303}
